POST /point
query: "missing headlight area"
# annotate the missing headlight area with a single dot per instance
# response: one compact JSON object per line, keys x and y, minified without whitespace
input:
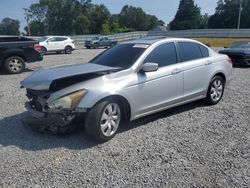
{"x":59,"y":121}
{"x":37,"y":99}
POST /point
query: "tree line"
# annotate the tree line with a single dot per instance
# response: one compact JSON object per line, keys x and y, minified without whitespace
{"x":75,"y":17}
{"x":226,"y":15}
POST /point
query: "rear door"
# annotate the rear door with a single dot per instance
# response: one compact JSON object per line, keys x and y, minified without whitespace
{"x":60,"y":43}
{"x":195,"y":60}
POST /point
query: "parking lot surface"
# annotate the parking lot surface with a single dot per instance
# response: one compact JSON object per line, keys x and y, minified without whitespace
{"x":193,"y":145}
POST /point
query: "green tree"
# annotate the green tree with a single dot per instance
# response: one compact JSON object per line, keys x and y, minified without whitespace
{"x":227,"y":12}
{"x":204,"y":23}
{"x":136,"y":19}
{"x":132,"y":17}
{"x":9,"y":26}
{"x":36,"y":28}
{"x":188,"y":16}
{"x":69,"y":17}
{"x":105,"y":28}
{"x":99,"y":16}
{"x":114,"y":25}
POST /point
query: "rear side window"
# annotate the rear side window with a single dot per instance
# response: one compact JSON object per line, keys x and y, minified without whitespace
{"x":164,"y":55}
{"x":53,"y":39}
{"x":204,"y":51}
{"x":59,"y":39}
{"x":190,"y":51}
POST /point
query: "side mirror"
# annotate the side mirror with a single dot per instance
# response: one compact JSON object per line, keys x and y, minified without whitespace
{"x":150,"y":67}
{"x":225,"y":47}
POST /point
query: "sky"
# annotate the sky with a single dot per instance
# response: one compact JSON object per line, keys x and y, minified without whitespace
{"x":163,"y":9}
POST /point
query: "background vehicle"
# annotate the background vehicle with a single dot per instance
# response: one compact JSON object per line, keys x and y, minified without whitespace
{"x":97,"y":42}
{"x":126,"y":82}
{"x":56,"y":44}
{"x":239,"y":52}
{"x":15,"y":51}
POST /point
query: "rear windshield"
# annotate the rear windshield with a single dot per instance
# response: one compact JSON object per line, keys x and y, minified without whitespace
{"x":121,"y":55}
{"x":240,"y":45}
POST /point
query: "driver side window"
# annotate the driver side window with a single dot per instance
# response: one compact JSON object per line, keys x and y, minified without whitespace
{"x":164,"y":55}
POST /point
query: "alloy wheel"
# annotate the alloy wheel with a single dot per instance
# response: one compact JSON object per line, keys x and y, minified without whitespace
{"x":15,"y":65}
{"x":110,"y":119}
{"x":216,"y":90}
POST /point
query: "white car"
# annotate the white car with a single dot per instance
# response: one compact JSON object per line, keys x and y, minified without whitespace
{"x":56,"y":44}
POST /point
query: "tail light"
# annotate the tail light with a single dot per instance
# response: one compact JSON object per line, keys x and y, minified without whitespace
{"x":38,"y":48}
{"x":229,"y":61}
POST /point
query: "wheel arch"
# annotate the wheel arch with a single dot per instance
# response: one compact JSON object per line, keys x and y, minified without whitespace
{"x":44,"y":47}
{"x":14,"y":53}
{"x":222,"y":75}
{"x":126,"y":107}
{"x":68,"y":45}
{"x":218,"y":73}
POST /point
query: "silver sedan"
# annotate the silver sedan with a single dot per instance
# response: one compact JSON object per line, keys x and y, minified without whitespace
{"x":126,"y":82}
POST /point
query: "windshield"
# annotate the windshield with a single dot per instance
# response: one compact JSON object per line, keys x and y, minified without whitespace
{"x":240,"y":45}
{"x":121,"y":55}
{"x":42,"y":39}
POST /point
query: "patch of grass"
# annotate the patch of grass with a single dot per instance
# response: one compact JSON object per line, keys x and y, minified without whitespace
{"x":220,"y":42}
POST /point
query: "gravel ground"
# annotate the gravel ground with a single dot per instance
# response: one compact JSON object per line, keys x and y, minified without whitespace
{"x":189,"y":146}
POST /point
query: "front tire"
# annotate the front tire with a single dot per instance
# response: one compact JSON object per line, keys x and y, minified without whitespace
{"x":102,"y":122}
{"x":215,"y":90}
{"x":14,"y":64}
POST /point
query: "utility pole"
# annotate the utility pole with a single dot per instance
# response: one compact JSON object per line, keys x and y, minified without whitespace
{"x":240,"y":11}
{"x":27,"y":18}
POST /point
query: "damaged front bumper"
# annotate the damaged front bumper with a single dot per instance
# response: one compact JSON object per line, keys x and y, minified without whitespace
{"x":56,"y":115}
{"x":48,"y":121}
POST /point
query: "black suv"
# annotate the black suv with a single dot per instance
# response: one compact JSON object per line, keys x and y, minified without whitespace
{"x":15,"y":51}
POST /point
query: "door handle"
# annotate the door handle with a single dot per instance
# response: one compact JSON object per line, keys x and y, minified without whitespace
{"x":208,"y":62}
{"x":176,"y":71}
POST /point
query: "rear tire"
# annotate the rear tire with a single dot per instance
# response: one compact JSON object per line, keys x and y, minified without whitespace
{"x":102,"y":122}
{"x":14,"y":64}
{"x":68,"y":50}
{"x":215,"y":90}
{"x":96,"y":46}
{"x":43,"y":50}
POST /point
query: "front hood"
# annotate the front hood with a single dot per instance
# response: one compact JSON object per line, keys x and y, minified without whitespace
{"x":42,"y":79}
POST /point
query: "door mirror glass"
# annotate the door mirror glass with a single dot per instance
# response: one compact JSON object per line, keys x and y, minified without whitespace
{"x":150,"y":67}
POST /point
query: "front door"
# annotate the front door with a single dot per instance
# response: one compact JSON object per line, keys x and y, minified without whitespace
{"x":162,"y":88}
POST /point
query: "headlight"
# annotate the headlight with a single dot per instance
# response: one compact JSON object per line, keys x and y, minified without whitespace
{"x":67,"y":102}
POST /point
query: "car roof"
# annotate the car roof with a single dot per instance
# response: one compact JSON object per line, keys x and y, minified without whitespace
{"x":155,"y":39}
{"x":55,"y":36}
